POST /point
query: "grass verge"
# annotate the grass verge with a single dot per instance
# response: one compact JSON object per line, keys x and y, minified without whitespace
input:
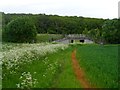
{"x":49,"y":71}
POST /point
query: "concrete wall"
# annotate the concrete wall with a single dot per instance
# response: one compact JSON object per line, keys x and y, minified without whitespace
{"x":67,"y":41}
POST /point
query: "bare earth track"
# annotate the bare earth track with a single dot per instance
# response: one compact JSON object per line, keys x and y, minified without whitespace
{"x":79,"y":72}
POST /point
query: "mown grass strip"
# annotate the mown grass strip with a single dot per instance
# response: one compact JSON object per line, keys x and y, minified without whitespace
{"x":66,"y":77}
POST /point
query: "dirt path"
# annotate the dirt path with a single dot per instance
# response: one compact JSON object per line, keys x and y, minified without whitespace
{"x":79,"y":72}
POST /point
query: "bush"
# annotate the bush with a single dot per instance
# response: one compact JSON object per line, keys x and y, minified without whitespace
{"x":20,"y":30}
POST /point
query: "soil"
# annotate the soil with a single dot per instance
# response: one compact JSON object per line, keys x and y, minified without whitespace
{"x":79,"y":72}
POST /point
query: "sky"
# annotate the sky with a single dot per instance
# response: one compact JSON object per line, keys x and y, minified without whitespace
{"x":86,"y":8}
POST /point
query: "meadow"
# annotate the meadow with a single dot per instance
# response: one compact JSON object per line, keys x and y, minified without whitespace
{"x":47,"y":65}
{"x":48,"y":37}
{"x":23,"y":63}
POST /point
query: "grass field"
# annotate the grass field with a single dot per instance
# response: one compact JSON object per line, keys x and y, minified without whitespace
{"x":48,"y":37}
{"x":48,"y":65}
{"x":100,"y":64}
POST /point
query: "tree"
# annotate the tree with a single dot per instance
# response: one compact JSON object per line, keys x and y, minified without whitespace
{"x":85,"y":32}
{"x":110,"y":31}
{"x":55,"y":24}
{"x":20,"y":30}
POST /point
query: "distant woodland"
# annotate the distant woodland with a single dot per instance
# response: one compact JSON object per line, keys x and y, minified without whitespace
{"x":98,"y":29}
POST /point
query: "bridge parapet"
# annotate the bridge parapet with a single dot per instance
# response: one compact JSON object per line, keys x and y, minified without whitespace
{"x":76,"y":36}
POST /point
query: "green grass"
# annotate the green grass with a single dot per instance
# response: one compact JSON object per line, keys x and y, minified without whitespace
{"x":52,"y":71}
{"x":48,"y":37}
{"x":100,"y":64}
{"x":66,"y":77}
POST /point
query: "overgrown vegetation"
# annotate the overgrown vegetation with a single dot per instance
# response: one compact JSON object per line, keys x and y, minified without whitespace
{"x":45,"y":66}
{"x":30,"y":65}
{"x":20,"y":30}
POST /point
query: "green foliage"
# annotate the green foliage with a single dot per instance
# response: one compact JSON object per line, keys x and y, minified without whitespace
{"x":20,"y":30}
{"x":85,"y":32}
{"x":110,"y":31}
{"x":54,"y":24}
{"x":95,"y":34}
{"x":99,"y":30}
{"x":42,"y":23}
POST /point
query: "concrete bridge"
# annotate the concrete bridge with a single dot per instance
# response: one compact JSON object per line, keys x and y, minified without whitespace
{"x":71,"y":38}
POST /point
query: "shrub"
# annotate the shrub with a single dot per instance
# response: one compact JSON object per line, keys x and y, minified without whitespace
{"x":20,"y":30}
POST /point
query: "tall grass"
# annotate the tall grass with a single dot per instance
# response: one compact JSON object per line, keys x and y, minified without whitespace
{"x":28,"y":66}
{"x":51,"y":70}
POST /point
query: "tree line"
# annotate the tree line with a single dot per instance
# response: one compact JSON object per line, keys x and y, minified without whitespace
{"x":98,"y":29}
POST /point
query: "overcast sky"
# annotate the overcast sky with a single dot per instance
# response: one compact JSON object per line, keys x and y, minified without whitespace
{"x":86,"y":8}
